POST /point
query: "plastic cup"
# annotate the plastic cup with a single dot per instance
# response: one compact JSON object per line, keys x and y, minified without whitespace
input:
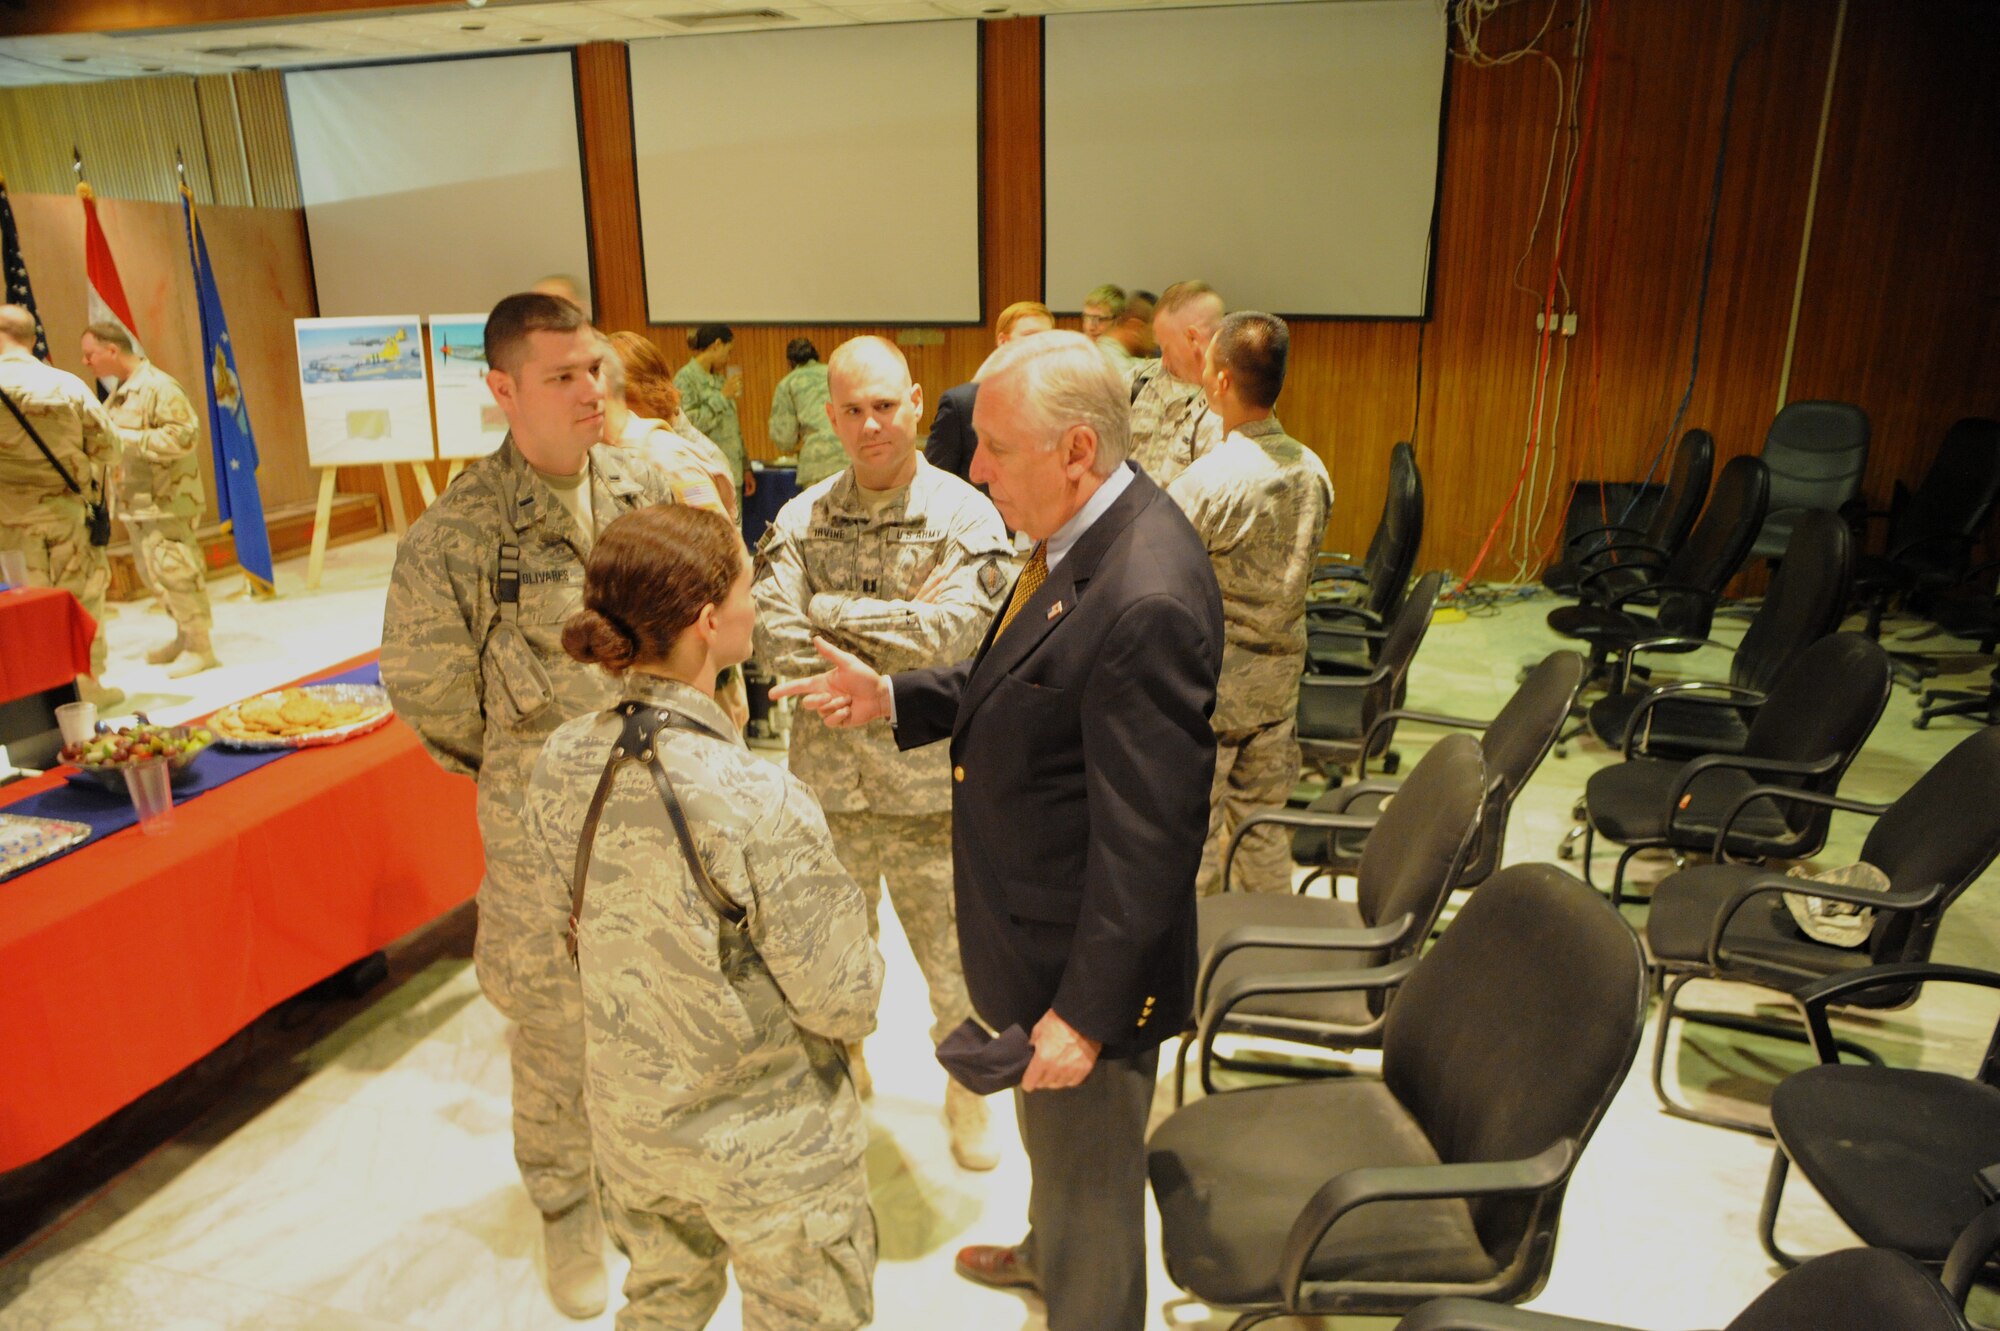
{"x":151,"y":785}
{"x":78,"y":721}
{"x":13,"y":568}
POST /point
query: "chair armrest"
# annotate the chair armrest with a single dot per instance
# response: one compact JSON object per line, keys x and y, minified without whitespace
{"x":1656,"y":588}
{"x":1359,"y":1187}
{"x":1709,"y":762}
{"x":1458,"y":1314}
{"x":1389,"y":718}
{"x":1307,"y":818}
{"x":1591,"y":577}
{"x":1772,"y":883}
{"x":1706,"y":693}
{"x":1628,"y":555}
{"x":1976,"y":1246}
{"x":1794,"y":795}
{"x":1661,"y":644}
{"x":1296,"y":936}
{"x":1588,"y":532}
{"x":1815,"y":998}
{"x":1338,"y":610}
{"x":1949,"y":539}
{"x":1245,"y":987}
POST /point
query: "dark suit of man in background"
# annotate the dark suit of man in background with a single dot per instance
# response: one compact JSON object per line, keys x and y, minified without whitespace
{"x":1082,"y":756}
{"x":951,"y":442}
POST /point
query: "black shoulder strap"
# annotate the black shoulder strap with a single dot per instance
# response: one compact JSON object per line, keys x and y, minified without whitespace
{"x":61,"y":470}
{"x":636,"y":743}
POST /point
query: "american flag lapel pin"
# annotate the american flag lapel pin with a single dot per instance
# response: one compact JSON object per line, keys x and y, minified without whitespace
{"x":1055,"y":609}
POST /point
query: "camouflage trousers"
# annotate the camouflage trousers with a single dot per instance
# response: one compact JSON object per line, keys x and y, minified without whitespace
{"x":913,"y":852}
{"x":170,"y":563}
{"x":803,"y":1262}
{"x":526,"y":974}
{"x":60,"y":555}
{"x":1255,"y":768}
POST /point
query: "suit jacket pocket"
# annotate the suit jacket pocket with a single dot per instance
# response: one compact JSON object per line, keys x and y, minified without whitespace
{"x":1044,"y":905}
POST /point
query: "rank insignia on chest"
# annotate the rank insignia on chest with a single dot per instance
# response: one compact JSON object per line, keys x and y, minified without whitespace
{"x":990,"y":577}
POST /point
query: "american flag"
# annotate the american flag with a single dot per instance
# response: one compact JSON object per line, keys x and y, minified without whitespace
{"x":19,"y":290}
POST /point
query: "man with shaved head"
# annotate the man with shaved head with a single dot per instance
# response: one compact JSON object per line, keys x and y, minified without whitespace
{"x":904,"y":565}
{"x":1171,"y":422}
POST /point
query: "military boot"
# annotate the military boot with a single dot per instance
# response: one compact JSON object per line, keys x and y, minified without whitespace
{"x":102,"y":695}
{"x":165,"y":654}
{"x":857,"y":1069}
{"x":573,"y":1259}
{"x":971,"y":1128}
{"x":197,"y":654}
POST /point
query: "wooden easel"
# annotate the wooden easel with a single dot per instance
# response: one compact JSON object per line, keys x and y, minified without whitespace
{"x":399,"y":520}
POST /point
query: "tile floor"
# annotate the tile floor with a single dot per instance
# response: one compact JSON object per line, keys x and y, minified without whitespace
{"x":364,"y":1179}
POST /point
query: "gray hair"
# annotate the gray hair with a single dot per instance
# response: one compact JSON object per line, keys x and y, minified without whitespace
{"x":1066,"y":381}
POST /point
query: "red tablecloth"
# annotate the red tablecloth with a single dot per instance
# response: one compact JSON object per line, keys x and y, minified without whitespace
{"x":125,"y":962}
{"x":45,"y":640}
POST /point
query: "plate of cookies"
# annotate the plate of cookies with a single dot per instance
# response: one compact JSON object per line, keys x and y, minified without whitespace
{"x":299,"y":718}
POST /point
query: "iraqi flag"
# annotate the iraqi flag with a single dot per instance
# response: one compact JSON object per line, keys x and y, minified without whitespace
{"x":107,"y":293}
{"x":236,"y":496}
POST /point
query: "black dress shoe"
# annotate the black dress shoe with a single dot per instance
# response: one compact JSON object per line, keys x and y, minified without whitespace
{"x":996,"y":1266}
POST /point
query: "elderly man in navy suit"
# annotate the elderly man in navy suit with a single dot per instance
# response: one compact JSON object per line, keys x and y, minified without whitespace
{"x":1082,"y":756}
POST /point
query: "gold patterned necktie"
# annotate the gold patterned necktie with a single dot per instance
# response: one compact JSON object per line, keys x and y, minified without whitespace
{"x":1032,"y":577}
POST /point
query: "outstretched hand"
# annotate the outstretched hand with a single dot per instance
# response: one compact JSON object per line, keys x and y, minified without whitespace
{"x":851,"y":694}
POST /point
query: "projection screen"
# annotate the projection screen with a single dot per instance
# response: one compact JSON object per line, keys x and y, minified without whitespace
{"x":826,"y":175}
{"x":439,"y":185}
{"x":1285,"y":153}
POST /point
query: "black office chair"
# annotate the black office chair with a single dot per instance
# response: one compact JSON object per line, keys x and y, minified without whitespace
{"x":1908,"y":1159}
{"x":1932,"y":529}
{"x":1445,"y":1176}
{"x":1817,"y":452}
{"x":1979,"y":620}
{"x":1805,"y":602}
{"x":1861,"y":1289}
{"x":1814,"y":721}
{"x":1684,"y":590}
{"x":1723,"y":921}
{"x":1514,"y":743}
{"x":1673,"y":517}
{"x":1425,"y":837}
{"x":1348,"y":608}
{"x":1336,"y":719}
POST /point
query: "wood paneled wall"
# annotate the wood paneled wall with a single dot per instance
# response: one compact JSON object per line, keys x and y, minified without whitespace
{"x":1900,"y":310}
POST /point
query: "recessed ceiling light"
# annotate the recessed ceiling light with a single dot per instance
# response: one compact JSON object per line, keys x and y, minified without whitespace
{"x":472,"y":27}
{"x":152,"y":69}
{"x":529,"y":40}
{"x":75,"y":59}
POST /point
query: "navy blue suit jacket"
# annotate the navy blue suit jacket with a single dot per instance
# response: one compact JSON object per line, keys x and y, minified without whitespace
{"x":1082,"y":757}
{"x":951,"y":441}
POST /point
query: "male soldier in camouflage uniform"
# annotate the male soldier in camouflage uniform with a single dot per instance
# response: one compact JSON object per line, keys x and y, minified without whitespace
{"x":472,"y":657}
{"x":1171,"y":422}
{"x":904,"y":565}
{"x":725,"y":1130}
{"x":161,"y":490}
{"x":40,"y":516}
{"x":798,"y":416}
{"x":1260,"y":500}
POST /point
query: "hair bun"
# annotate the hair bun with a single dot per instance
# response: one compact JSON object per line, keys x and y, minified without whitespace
{"x":594,"y":638}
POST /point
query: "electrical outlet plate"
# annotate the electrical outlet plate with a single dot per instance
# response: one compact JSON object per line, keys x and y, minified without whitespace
{"x":1566,"y":324}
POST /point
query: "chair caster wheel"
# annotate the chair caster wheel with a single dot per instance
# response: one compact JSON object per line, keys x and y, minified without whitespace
{"x":1566,"y":851}
{"x":1562,"y":749}
{"x":1391,"y":763}
{"x":1922,"y":723}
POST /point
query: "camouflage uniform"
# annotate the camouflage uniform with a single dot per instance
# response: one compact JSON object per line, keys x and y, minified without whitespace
{"x":1260,"y":500}
{"x":726,"y":1129}
{"x":484,"y":683}
{"x":829,"y":565}
{"x":688,"y":465}
{"x":39,"y":516}
{"x":799,"y":420}
{"x":713,"y":414}
{"x":1171,"y":422}
{"x":1114,"y":351}
{"x":161,"y":495}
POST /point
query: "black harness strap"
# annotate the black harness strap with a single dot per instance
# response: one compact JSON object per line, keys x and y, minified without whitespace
{"x":636,"y":743}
